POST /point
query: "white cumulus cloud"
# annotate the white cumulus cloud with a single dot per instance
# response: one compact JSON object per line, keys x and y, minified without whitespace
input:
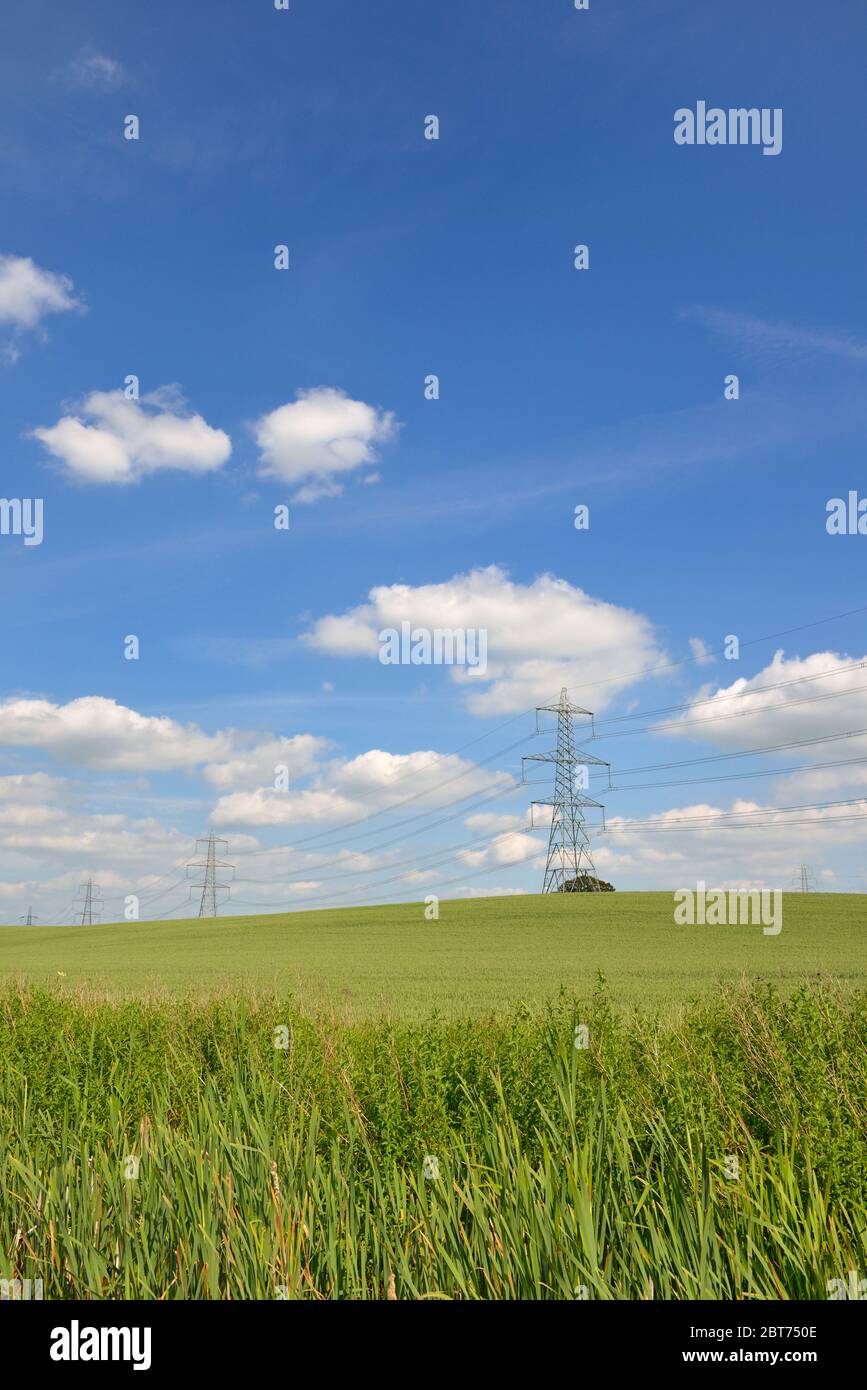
{"x":509,"y":848}
{"x":747,"y":844}
{"x":346,"y":790}
{"x":27,"y":294}
{"x":540,"y":637}
{"x":791,"y":698}
{"x":115,"y":440}
{"x":320,"y":436}
{"x":94,"y":732}
{"x":266,"y":806}
{"x":256,"y":767}
{"x":385,"y":778}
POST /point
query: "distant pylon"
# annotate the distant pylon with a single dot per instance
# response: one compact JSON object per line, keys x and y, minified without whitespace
{"x":568,"y":844}
{"x":804,"y":879}
{"x":209,"y":885}
{"x":91,"y":899}
{"x":29,"y":919}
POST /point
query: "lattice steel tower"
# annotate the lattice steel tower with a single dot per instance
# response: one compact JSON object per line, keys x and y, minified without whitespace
{"x":568,"y":843}
{"x":91,"y":899}
{"x":209,"y":885}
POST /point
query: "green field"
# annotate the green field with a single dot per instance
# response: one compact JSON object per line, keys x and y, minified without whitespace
{"x":242,"y":1149}
{"x":482,"y":955}
{"x":364,"y":1104}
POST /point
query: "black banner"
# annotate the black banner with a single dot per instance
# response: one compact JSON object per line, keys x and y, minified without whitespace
{"x":153,"y":1338}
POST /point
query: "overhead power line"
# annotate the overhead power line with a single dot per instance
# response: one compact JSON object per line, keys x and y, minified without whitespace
{"x":441,"y":884}
{"x":447,"y":853}
{"x":708,"y":820}
{"x":432,"y":859}
{"x":210,"y":887}
{"x":740,"y":776}
{"x":693,"y":660}
{"x":734,"y":695}
{"x":722,"y":824}
{"x":680,"y":825}
{"x":746,"y":752}
{"x":306,"y":871}
{"x":738,"y":714}
{"x":416,"y":796}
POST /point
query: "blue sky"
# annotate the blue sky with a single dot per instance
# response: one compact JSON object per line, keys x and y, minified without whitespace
{"x":558,"y":387}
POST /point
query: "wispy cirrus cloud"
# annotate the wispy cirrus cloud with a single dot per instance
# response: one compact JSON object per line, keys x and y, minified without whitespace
{"x":92,"y":71}
{"x":777,"y":340}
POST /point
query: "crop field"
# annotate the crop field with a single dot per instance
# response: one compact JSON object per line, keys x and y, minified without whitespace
{"x":482,"y":955}
{"x":367,"y":1105}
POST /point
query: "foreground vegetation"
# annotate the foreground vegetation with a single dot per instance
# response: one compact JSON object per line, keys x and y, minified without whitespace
{"x":481,"y":955}
{"x":170,"y":1149}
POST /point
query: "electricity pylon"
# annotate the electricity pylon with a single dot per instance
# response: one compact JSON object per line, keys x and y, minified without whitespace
{"x":29,"y":919}
{"x":568,"y":843}
{"x":804,"y":879}
{"x":91,"y":898}
{"x":209,"y":885}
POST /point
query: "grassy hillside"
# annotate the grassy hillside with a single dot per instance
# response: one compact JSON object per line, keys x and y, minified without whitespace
{"x":297,"y":1144}
{"x":169,"y":1149}
{"x":483,"y":954}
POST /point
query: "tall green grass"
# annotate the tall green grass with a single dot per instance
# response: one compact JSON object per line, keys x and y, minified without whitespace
{"x":722,"y":1154}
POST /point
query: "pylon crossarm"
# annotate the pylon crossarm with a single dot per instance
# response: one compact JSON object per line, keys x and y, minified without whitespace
{"x":572,"y":758}
{"x":533,"y":805}
{"x":567,"y":708}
